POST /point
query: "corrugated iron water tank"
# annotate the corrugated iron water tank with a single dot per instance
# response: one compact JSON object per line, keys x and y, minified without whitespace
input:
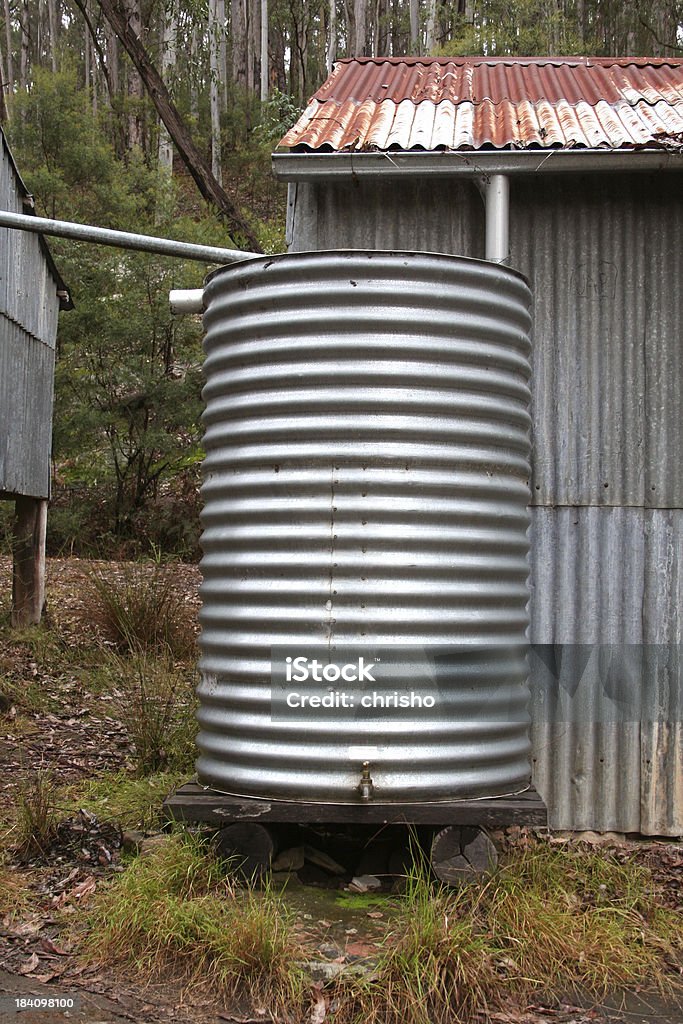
{"x":365,"y":504}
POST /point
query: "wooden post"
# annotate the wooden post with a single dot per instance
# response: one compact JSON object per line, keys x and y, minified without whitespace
{"x":28,"y":580}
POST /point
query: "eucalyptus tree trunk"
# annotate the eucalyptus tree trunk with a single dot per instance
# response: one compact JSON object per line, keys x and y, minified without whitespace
{"x":53,"y":22}
{"x":253,"y":11}
{"x":86,"y":62}
{"x":194,"y":88}
{"x":238,"y":24}
{"x":264,"y":52}
{"x":430,"y":32}
{"x":10,"y":57}
{"x":415,"y":26}
{"x":111,"y":43}
{"x":168,"y":60}
{"x":214,"y":90}
{"x":135,"y":90}
{"x":24,"y":54}
{"x":3,"y":104}
{"x":222,"y":56}
{"x":357,"y":27}
{"x":331,"y":53}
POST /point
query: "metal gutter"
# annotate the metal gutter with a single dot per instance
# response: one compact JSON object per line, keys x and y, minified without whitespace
{"x":313,"y":166}
{"x":123,"y":239}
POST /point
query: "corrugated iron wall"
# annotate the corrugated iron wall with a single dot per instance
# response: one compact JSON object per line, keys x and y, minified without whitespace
{"x":604,"y":259}
{"x":28,"y":328}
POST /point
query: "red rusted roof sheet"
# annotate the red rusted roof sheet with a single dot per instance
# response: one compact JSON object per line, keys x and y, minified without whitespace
{"x":434,"y":103}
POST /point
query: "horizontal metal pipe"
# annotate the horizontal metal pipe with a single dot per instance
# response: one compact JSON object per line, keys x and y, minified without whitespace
{"x":122,"y":239}
{"x":315,"y":166}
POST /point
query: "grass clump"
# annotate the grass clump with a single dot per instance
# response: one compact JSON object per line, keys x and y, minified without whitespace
{"x":180,"y":907}
{"x":548,"y":922}
{"x":155,"y":701}
{"x":35,"y":827}
{"x":140,"y":609}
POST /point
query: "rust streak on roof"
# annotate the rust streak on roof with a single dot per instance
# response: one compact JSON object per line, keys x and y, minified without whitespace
{"x":432,"y":103}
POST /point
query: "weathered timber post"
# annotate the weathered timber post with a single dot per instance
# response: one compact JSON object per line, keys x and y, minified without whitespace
{"x":28,"y":575}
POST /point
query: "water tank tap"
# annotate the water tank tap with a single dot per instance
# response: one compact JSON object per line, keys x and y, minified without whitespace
{"x":365,"y":786}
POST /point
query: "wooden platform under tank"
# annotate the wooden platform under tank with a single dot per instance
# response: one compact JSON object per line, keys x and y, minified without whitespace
{"x":196,"y":804}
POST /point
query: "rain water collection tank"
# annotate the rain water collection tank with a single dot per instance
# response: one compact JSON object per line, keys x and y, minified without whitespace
{"x":366,"y":483}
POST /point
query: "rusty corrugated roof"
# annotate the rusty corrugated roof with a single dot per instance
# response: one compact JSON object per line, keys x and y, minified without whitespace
{"x":481,"y":102}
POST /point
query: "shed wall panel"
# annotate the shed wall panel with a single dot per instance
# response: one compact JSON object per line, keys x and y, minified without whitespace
{"x":26,"y":385}
{"x":604,"y":259}
{"x":606,"y":734}
{"x":386,"y":215}
{"x":29,"y":307}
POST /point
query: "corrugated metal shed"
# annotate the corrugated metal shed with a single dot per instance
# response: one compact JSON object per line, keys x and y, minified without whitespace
{"x":474,"y":103}
{"x":604,"y":256}
{"x":31,"y":294}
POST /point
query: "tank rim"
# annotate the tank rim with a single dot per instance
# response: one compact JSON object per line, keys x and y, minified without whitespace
{"x":277,"y":257}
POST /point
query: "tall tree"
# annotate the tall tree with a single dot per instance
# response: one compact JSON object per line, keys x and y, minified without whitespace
{"x":197,"y":166}
{"x":264,"y":51}
{"x":169,"y":37}
{"x":215,"y":89}
{"x":331,"y":52}
{"x":415,"y":25}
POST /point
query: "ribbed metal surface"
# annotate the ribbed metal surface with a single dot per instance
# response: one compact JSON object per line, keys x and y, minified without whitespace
{"x":608,"y":360}
{"x":474,"y":102}
{"x":26,"y":382}
{"x":365,"y":482}
{"x":29,"y":305}
{"x":610,"y":576}
{"x":604,"y":259}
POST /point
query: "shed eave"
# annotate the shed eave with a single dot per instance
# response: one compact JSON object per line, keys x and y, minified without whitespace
{"x":312,"y":166}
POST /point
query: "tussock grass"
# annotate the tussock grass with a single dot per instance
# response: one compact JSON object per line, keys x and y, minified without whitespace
{"x":141,"y":610}
{"x":180,"y":907}
{"x":35,"y":825}
{"x":154,"y":699}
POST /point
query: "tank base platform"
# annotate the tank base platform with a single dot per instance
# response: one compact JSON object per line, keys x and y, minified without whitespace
{"x":195,"y":804}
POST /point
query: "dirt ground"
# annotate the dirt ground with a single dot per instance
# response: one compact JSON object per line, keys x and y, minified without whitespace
{"x":75,"y":733}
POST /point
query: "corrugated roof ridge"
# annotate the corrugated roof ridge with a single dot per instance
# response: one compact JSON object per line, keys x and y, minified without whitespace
{"x":571,"y":59}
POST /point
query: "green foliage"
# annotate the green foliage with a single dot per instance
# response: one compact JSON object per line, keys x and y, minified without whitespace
{"x":538,"y":27}
{"x":278,"y":114}
{"x":128,"y":377}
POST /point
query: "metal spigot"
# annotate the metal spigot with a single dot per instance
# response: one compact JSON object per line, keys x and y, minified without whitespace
{"x":365,"y":786}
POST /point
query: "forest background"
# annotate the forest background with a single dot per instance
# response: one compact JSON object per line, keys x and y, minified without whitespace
{"x":98,"y":140}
